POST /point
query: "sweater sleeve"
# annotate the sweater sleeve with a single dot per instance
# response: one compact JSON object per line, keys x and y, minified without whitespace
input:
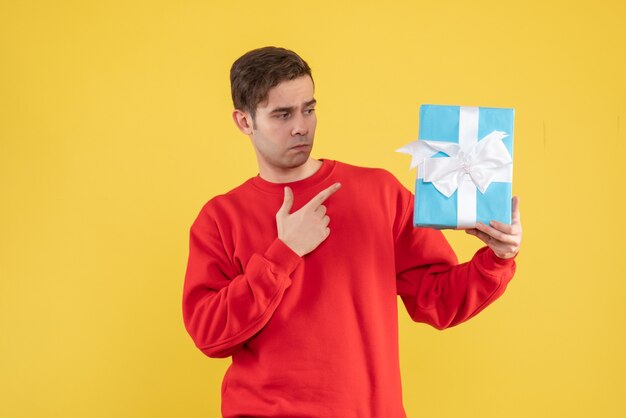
{"x":436,"y":289}
{"x":223,"y":309}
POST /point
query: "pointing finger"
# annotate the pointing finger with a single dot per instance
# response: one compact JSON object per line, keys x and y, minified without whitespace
{"x":322,"y":196}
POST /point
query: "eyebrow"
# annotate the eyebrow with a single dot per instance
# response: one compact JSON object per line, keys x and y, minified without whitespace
{"x":290,"y":108}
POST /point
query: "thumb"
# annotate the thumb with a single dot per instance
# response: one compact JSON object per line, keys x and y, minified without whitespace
{"x":287,"y":203}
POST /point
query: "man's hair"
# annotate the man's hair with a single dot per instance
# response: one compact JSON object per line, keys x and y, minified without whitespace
{"x":256,"y":72}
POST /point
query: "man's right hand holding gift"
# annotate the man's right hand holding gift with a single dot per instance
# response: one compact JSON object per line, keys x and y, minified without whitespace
{"x":503,"y":239}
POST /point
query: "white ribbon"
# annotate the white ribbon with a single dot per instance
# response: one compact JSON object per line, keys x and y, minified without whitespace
{"x":471,"y":164}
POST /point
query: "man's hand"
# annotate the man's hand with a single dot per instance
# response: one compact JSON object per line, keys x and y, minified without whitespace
{"x":503,"y":239}
{"x":305,"y":229}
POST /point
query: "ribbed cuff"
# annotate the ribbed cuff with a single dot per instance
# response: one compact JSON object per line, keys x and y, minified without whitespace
{"x":492,"y":263}
{"x":283,"y":258}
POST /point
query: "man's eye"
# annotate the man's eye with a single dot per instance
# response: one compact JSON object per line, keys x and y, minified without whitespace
{"x":282,"y":115}
{"x":309,"y":111}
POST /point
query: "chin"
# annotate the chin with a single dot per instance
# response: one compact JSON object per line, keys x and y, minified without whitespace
{"x":297,"y":160}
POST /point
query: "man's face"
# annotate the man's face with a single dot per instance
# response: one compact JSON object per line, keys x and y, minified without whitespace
{"x":284,"y":126}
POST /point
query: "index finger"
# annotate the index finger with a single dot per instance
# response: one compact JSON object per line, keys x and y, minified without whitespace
{"x":515,"y":215}
{"x":322,"y":196}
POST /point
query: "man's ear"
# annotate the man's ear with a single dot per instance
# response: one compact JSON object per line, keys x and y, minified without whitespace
{"x":243,"y":120}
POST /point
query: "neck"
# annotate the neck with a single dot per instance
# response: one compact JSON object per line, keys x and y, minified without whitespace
{"x":288,"y":175}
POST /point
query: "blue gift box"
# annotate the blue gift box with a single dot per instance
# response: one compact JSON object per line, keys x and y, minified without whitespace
{"x":441,"y":127}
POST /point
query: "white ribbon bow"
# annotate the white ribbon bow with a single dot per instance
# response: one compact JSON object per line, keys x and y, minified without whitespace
{"x":486,"y":161}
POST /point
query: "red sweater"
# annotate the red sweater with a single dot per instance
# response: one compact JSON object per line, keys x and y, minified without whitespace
{"x":317,"y":336}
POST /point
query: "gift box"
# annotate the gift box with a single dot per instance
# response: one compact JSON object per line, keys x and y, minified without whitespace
{"x":464,"y":157}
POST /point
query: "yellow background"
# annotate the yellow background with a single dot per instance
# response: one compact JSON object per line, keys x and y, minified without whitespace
{"x":115,"y":128}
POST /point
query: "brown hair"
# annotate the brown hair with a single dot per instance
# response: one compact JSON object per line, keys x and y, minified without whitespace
{"x":256,"y":72}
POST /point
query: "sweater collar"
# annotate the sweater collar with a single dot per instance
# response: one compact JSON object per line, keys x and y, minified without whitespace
{"x":319,"y":176}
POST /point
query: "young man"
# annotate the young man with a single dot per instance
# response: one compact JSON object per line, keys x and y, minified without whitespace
{"x":296,"y":273}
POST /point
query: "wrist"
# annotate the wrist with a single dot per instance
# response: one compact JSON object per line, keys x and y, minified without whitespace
{"x":292,"y":247}
{"x":505,"y":256}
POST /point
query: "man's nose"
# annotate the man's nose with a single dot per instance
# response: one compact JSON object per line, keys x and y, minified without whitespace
{"x":300,"y":126}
